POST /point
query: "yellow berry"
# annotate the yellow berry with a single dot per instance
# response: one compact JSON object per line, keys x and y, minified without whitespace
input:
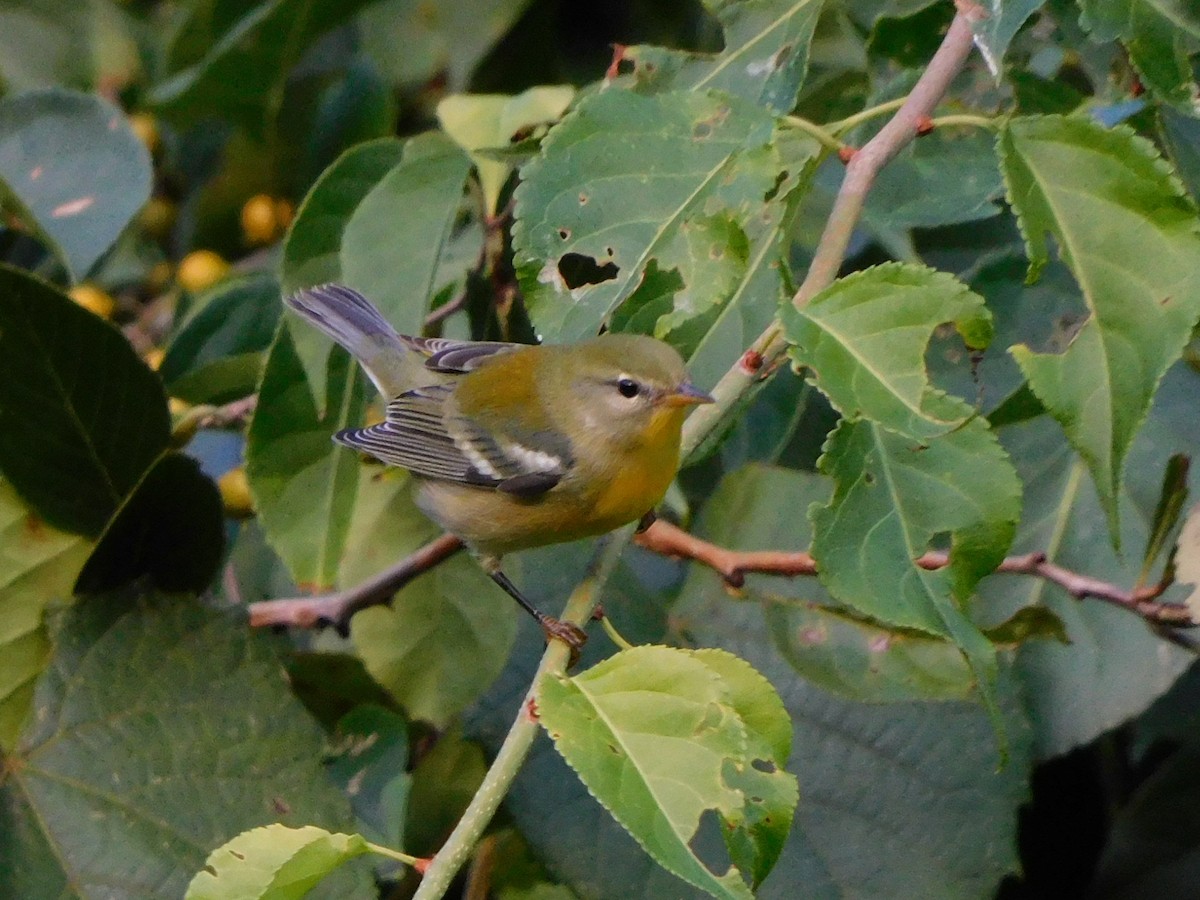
{"x":146,"y":129}
{"x":235,"y":494}
{"x":154,"y":357}
{"x":261,"y":221}
{"x":94,"y":299}
{"x":200,"y":270}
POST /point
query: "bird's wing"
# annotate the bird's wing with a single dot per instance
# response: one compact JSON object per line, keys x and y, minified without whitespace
{"x":456,"y":357}
{"x":423,"y":434}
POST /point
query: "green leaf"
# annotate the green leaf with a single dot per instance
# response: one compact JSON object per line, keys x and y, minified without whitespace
{"x":415,"y":647}
{"x":626,"y":181}
{"x":1159,"y":36}
{"x":1181,"y":136}
{"x":487,"y":121}
{"x":1166,"y":514}
{"x":864,"y":340}
{"x":232,"y":62}
{"x":170,"y":529}
{"x":40,"y":566}
{"x":1077,"y":692}
{"x":764,"y":60}
{"x":217,"y":355}
{"x":347,"y":230}
{"x":121,"y":784}
{"x":444,"y":783}
{"x":72,"y":387}
{"x":947,"y":178}
{"x":440,"y":40}
{"x":996,"y":28}
{"x":858,"y":659}
{"x":634,"y":724}
{"x":756,"y":835}
{"x":826,"y":643}
{"x":369,"y":762}
{"x":850,"y":757}
{"x":273,"y":862}
{"x":72,"y":172}
{"x":891,"y":498}
{"x":80,"y":43}
{"x":1130,"y":237}
{"x":304,"y":485}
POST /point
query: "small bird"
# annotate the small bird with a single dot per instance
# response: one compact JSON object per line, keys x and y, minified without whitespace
{"x":517,"y":446}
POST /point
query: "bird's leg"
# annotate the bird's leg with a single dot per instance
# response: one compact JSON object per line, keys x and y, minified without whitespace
{"x":571,"y":635}
{"x":646,"y":521}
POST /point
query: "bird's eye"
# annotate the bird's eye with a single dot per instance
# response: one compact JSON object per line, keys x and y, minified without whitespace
{"x":628,"y":387}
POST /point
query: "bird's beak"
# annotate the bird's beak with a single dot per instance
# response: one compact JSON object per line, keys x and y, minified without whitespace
{"x":686,"y":395}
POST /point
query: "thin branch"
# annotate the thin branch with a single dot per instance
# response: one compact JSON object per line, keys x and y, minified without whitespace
{"x":336,"y":609}
{"x":733,"y":566}
{"x":521,"y":734}
{"x":861,"y":170}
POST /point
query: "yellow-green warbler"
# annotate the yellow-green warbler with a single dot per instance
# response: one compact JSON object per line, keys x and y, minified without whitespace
{"x":517,"y":446}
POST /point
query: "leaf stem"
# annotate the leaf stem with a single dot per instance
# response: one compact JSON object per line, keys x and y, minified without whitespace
{"x":414,"y":861}
{"x":521,"y":734}
{"x":813,"y":129}
{"x":966,"y":119}
{"x":871,"y":112}
{"x":613,"y":635}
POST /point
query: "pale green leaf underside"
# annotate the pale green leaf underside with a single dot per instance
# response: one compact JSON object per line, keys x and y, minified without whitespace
{"x":491,"y":121}
{"x":273,"y":862}
{"x":660,"y":735}
{"x":1130,"y":237}
{"x":864,"y":339}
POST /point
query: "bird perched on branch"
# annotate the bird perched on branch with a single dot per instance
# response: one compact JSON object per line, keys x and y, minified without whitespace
{"x":517,"y":446}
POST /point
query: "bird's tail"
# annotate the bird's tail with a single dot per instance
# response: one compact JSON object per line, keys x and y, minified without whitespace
{"x":350,"y":319}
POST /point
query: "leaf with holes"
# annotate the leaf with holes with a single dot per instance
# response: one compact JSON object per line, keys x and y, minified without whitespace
{"x":72,"y":171}
{"x":81,"y":416}
{"x":273,"y":862}
{"x":764,"y":59}
{"x":1112,"y":205}
{"x":626,"y":181}
{"x":660,"y":736}
{"x":864,"y":338}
